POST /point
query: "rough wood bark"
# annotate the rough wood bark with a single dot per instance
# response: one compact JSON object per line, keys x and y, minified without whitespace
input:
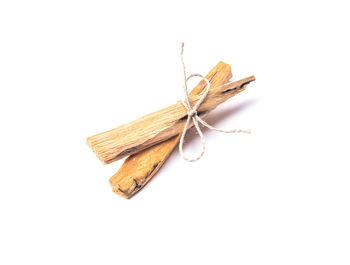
{"x":138,"y":169}
{"x":158,"y":126}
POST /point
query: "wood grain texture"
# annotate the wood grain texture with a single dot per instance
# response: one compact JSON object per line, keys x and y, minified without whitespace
{"x":138,"y":169}
{"x":158,"y":126}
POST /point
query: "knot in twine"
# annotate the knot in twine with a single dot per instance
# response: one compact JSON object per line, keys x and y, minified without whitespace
{"x":193,"y":114}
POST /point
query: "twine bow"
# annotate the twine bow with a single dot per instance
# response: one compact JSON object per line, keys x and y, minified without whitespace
{"x":192,"y":113}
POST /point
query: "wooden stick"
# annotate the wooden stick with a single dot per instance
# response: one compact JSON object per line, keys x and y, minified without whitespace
{"x":158,"y":126}
{"x":138,"y":169}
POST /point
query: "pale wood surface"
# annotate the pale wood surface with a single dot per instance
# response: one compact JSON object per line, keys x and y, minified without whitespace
{"x":138,"y":169}
{"x":158,"y":126}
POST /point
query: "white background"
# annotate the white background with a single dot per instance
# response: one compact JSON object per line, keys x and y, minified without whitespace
{"x":70,"y":69}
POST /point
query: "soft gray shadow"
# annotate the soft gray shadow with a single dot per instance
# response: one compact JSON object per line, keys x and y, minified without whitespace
{"x":218,"y":115}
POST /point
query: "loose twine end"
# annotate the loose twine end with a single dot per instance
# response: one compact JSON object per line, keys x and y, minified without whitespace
{"x":192,"y":113}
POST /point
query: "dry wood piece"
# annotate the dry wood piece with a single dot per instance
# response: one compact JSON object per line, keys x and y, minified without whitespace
{"x":158,"y":126}
{"x":139,"y":168}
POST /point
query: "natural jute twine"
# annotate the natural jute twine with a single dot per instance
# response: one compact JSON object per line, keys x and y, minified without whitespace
{"x":192,"y":113}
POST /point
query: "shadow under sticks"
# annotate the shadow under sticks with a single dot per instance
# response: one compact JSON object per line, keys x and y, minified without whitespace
{"x":216,"y":117}
{"x":213,"y":118}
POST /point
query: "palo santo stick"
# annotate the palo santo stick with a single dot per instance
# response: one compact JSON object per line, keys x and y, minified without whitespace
{"x":138,"y":169}
{"x":158,"y":126}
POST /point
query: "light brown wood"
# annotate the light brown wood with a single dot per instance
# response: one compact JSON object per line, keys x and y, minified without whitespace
{"x":158,"y":126}
{"x":138,"y":169}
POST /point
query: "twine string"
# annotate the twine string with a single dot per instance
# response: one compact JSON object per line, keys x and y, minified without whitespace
{"x":192,"y":113}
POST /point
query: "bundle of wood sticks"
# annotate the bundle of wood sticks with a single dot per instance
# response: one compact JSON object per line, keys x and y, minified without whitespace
{"x":149,"y":140}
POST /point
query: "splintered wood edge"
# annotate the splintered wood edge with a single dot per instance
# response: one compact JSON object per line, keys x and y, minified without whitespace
{"x":138,"y":169}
